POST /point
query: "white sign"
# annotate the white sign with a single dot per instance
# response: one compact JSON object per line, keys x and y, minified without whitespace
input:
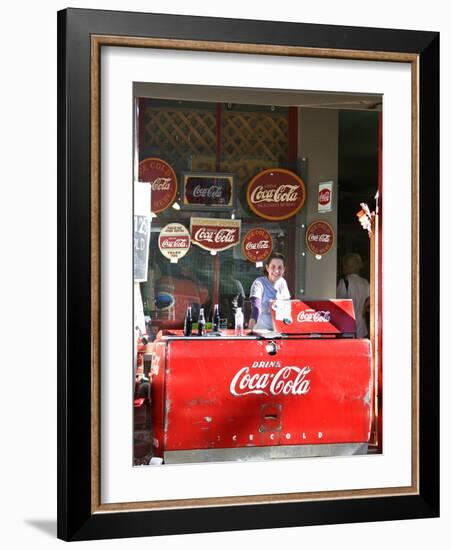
{"x":141,"y":230}
{"x":174,"y":241}
{"x":325,"y":196}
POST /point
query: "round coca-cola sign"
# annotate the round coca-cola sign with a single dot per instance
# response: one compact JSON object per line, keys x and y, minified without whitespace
{"x":257,"y":245}
{"x":174,"y":241}
{"x":319,"y":237}
{"x":162,"y":180}
{"x":276,"y":194}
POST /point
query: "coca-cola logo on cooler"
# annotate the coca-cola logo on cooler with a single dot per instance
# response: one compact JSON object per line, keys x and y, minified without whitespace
{"x":319,"y":237}
{"x":174,"y":241}
{"x":215,"y":234}
{"x":276,"y":194}
{"x":257,"y":245}
{"x":312,"y":316}
{"x":271,"y":378}
{"x":162,"y":180}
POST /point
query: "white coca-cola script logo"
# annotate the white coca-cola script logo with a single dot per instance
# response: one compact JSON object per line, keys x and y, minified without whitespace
{"x":161,"y":184}
{"x":323,"y":238}
{"x":312,"y":316}
{"x":283,"y":193}
{"x":211,"y":235}
{"x":261,"y":245}
{"x":213,"y":192}
{"x":288,"y":380}
{"x":174,"y":243}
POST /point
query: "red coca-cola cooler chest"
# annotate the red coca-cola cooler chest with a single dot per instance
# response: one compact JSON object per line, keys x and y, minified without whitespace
{"x":304,"y":389}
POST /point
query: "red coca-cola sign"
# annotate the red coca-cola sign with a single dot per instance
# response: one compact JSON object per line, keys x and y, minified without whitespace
{"x":276,"y":194}
{"x":319,"y":237}
{"x":257,"y":245}
{"x":324,"y":197}
{"x":215,"y":234}
{"x":162,"y":180}
{"x":173,"y":242}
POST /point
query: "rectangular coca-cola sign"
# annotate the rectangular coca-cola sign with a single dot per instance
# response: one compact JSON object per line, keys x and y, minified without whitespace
{"x":208,"y":191}
{"x":215,"y":234}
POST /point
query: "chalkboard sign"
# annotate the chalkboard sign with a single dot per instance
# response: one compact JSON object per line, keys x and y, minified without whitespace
{"x":141,"y":236}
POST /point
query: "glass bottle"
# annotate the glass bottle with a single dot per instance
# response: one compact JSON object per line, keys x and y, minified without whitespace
{"x":188,"y":326}
{"x":201,"y":323}
{"x":216,"y":318}
{"x":239,"y":322}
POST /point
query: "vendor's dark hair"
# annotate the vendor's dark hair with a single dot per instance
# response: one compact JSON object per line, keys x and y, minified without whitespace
{"x":274,"y":256}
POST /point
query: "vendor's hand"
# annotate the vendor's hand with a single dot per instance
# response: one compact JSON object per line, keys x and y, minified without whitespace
{"x":251,"y":324}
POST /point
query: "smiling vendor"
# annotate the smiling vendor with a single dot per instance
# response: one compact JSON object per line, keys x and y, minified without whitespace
{"x":270,"y":286}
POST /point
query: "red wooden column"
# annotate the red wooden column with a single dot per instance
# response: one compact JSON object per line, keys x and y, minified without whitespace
{"x":378,"y":335}
{"x":216,"y":272}
{"x":292,"y":154}
{"x":376,"y":302}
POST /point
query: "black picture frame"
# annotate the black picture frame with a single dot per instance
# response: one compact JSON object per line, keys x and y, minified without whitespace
{"x":78,"y":517}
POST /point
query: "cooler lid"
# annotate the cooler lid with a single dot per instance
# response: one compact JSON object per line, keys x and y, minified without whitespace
{"x":313,"y":317}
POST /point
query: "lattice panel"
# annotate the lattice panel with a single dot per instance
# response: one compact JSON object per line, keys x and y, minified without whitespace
{"x":190,"y":133}
{"x":254,"y":135}
{"x":180,"y":133}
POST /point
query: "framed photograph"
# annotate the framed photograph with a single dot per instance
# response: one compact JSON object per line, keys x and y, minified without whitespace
{"x":204,"y":389}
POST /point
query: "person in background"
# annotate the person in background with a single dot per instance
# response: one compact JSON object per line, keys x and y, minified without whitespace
{"x":353,"y":286}
{"x":270,"y":286}
{"x":231,"y":293}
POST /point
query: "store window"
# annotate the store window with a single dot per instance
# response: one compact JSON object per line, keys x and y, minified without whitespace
{"x":202,"y":141}
{"x":223,"y":179}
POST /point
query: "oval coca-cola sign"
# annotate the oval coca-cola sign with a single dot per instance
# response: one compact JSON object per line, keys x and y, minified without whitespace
{"x":257,"y":245}
{"x":276,"y":194}
{"x":319,"y":237}
{"x":162,"y":180}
